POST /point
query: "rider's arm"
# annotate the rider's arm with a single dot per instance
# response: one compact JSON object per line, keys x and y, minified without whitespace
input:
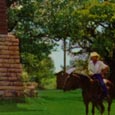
{"x":105,"y":68}
{"x":90,"y":69}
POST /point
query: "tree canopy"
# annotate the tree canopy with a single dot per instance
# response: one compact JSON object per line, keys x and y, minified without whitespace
{"x":87,"y":24}
{"x":35,"y":46}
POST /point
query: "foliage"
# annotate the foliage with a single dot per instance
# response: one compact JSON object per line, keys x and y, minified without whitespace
{"x":35,"y":45}
{"x":89,"y":24}
{"x":38,"y":70}
{"x":25,"y":76}
{"x":49,"y":83}
{"x":24,"y":24}
{"x":84,"y":23}
{"x":106,"y":37}
{"x":81,"y":22}
{"x":95,"y":30}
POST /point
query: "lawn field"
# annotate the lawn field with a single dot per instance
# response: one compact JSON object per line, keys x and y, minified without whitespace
{"x":50,"y":102}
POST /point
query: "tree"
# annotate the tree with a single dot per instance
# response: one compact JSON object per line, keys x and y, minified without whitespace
{"x":23,"y":21}
{"x":89,"y":24}
{"x":35,"y":46}
{"x":61,"y":20}
{"x":96,"y":32}
{"x":38,"y":70}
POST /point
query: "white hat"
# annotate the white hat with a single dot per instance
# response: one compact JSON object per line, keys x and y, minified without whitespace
{"x":94,"y":54}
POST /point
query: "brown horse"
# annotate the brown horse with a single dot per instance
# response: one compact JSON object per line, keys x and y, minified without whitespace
{"x":91,"y":91}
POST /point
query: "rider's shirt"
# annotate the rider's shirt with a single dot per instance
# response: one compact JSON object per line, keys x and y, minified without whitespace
{"x":96,"y":68}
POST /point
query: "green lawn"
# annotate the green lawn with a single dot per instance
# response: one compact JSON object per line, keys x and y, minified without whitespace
{"x":50,"y":102}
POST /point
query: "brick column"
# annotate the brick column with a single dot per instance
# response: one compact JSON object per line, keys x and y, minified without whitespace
{"x":10,"y":67}
{"x":3,"y":17}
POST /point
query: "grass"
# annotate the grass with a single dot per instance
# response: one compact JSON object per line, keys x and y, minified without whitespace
{"x":50,"y":102}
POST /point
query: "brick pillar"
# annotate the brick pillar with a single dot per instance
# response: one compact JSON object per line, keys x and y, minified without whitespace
{"x":3,"y":17}
{"x":10,"y":67}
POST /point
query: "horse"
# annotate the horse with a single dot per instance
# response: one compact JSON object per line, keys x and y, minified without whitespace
{"x":91,"y":91}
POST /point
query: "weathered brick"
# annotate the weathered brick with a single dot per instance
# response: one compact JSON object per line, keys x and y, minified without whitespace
{"x":5,"y":83}
{"x":4,"y":65}
{"x":14,"y":52}
{"x":3,"y":78}
{"x":3,"y":47}
{"x":3,"y":70}
{"x":15,"y":44}
{"x":4,"y":52}
{"x":13,"y":61}
{"x":17,"y":83}
{"x":3,"y":74}
{"x":14,"y":70}
{"x":16,"y":66}
{"x":12,"y":78}
{"x":10,"y":67}
{"x":4,"y":61}
{"x":14,"y":57}
{"x":13,"y":48}
{"x":4,"y":56}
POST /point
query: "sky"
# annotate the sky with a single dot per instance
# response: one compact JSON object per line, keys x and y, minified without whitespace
{"x":57,"y":57}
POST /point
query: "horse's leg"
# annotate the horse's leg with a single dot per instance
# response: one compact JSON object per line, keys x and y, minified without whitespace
{"x":86,"y":102}
{"x":109,"y":106}
{"x":93,"y":109}
{"x":86,"y":108}
{"x":102,"y":108}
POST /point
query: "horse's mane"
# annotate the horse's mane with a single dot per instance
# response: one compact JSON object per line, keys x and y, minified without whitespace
{"x":83,"y":77}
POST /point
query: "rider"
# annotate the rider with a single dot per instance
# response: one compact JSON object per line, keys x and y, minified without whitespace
{"x":97,"y":69}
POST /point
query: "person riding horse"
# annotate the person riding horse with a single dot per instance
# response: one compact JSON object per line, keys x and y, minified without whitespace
{"x":93,"y":91}
{"x":97,"y":69}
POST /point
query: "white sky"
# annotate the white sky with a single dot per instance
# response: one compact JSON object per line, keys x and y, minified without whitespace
{"x":57,"y":57}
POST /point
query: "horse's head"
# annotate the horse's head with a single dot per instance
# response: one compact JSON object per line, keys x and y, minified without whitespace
{"x":75,"y":81}
{"x":72,"y":82}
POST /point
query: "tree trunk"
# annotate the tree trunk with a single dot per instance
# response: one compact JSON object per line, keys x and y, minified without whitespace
{"x":64,"y":44}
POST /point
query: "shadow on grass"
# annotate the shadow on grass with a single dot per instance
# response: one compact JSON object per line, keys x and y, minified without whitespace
{"x":9,"y":106}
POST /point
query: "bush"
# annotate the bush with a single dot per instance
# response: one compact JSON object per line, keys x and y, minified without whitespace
{"x":49,"y":83}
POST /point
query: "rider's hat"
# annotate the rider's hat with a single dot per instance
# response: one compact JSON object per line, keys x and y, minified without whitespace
{"x":94,"y":54}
